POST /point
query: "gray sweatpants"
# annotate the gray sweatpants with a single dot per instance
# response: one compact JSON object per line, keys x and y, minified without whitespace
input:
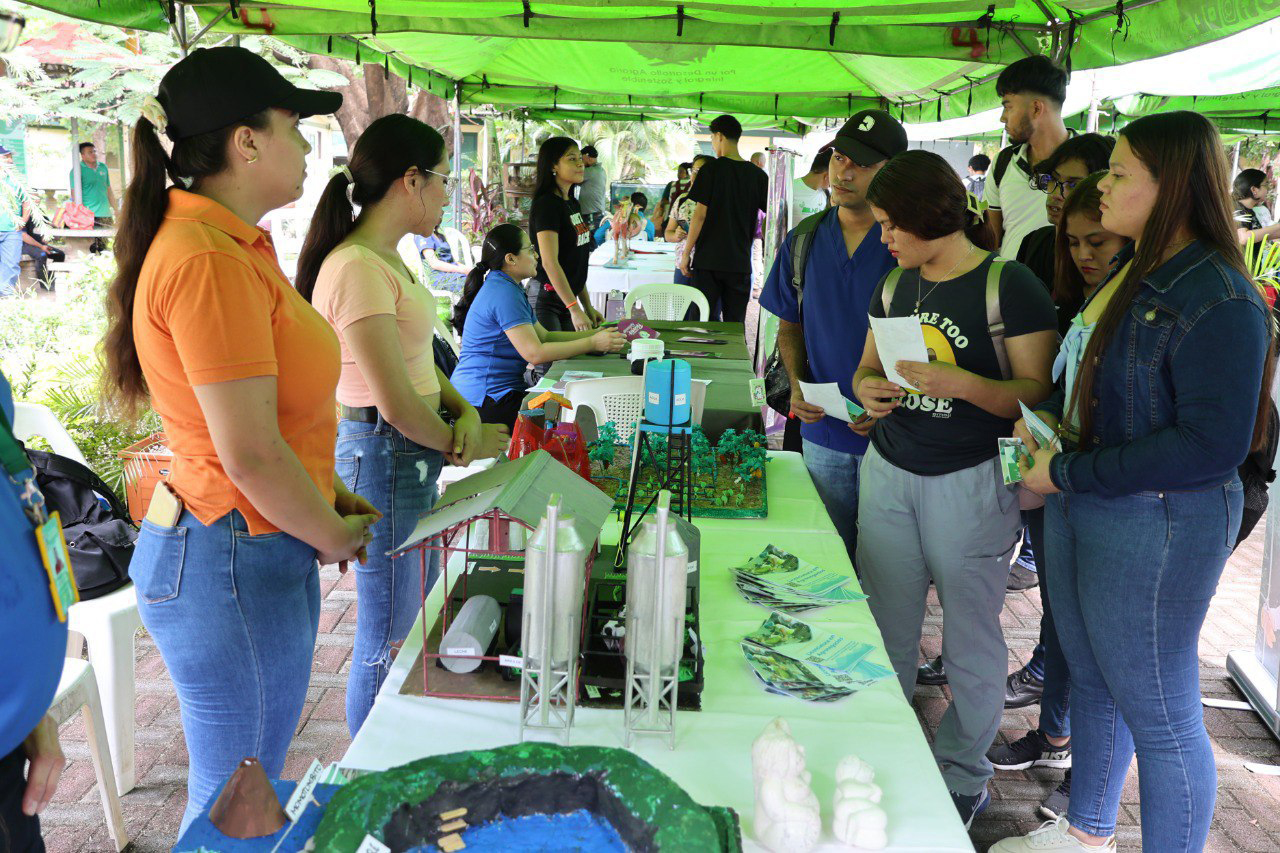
{"x":959,"y":529}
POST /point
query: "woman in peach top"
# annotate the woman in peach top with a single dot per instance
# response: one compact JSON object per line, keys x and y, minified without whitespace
{"x":392,"y":439}
{"x":242,"y":371}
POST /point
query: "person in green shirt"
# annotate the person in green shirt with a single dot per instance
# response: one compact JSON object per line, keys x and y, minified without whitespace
{"x":14,"y":210}
{"x":95,"y":186}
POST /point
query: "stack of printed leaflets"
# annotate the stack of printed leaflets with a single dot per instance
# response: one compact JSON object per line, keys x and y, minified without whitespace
{"x":794,"y":658}
{"x":781,"y":581}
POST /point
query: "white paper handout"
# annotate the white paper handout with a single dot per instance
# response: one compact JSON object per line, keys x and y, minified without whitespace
{"x":1039,"y":430}
{"x":898,"y":339}
{"x":828,"y":396}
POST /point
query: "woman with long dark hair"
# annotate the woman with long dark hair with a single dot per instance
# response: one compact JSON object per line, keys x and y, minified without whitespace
{"x":392,"y":441}
{"x":682,"y":208}
{"x":242,"y":371}
{"x":932,"y":504}
{"x":501,"y":335}
{"x":1166,"y":390}
{"x":1085,"y":256}
{"x":562,"y":239}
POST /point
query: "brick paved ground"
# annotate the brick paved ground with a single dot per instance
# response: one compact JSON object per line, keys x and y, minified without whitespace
{"x":1247,"y":818}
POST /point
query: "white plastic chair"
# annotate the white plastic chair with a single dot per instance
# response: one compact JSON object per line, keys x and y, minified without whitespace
{"x":408,"y":251}
{"x":666,"y":301}
{"x":108,"y":624}
{"x":458,"y":246}
{"x":78,"y":691}
{"x":621,"y":399}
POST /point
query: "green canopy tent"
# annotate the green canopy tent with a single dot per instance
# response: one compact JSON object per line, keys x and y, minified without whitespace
{"x":817,"y":58}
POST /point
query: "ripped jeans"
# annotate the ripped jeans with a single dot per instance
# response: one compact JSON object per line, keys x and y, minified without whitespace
{"x":399,"y":478}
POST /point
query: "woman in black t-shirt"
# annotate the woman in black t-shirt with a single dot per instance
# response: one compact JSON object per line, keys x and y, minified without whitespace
{"x":563,"y":239}
{"x":932,"y":504}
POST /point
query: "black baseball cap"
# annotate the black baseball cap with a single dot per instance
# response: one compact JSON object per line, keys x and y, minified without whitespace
{"x":218,"y":86}
{"x":869,"y":137}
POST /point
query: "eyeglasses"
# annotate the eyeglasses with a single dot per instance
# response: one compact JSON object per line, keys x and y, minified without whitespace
{"x":447,"y":180}
{"x":1048,"y":183}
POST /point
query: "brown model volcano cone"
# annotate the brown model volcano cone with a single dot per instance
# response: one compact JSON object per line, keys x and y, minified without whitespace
{"x":248,"y":806}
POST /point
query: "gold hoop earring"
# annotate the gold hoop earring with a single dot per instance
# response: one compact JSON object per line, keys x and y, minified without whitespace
{"x":252,"y":159}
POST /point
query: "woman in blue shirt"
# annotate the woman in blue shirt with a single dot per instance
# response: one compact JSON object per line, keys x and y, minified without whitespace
{"x":500,"y":334}
{"x":1164,"y":383}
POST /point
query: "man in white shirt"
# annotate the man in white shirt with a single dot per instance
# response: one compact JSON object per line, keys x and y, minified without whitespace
{"x":811,"y":193}
{"x":1032,"y":91}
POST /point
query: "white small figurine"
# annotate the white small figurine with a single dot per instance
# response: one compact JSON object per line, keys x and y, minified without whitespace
{"x":787,"y":814}
{"x":858,"y":821}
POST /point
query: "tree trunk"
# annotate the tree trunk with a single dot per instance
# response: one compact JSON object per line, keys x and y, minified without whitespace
{"x":373,"y":94}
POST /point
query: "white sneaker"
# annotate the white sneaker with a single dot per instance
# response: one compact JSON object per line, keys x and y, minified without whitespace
{"x":1052,"y":835}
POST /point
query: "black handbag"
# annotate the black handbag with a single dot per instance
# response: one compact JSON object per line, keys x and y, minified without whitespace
{"x":777,"y":382}
{"x":100,"y":535}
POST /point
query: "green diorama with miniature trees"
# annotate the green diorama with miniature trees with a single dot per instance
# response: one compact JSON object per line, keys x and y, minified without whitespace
{"x":728,"y":477}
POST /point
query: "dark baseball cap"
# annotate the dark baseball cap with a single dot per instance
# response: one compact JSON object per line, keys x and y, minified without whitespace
{"x":218,"y":86}
{"x":4,"y":152}
{"x":869,"y":137}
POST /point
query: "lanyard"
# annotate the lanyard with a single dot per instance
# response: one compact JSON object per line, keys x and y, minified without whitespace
{"x":18,"y":467}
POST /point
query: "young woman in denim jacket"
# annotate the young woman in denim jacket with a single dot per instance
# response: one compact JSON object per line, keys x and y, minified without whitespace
{"x":1162,"y":388}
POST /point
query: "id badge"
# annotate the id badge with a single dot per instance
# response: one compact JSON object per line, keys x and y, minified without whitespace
{"x":57,"y":565}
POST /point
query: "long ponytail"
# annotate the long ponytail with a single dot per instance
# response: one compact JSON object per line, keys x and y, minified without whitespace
{"x":145,"y":202}
{"x":502,"y":240}
{"x":388,"y":148}
{"x":333,"y":222}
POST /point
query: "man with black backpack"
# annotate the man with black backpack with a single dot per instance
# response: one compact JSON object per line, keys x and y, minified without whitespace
{"x":1032,"y":91}
{"x":820,"y":288}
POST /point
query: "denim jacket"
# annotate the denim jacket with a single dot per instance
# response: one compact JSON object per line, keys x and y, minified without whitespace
{"x":1176,"y":392}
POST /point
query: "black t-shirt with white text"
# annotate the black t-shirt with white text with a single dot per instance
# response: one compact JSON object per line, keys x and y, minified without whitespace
{"x":1246,"y":218}
{"x":550,"y":212}
{"x":734,"y":192}
{"x":931,"y":436}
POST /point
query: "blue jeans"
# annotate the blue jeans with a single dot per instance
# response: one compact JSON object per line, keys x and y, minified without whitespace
{"x":10,"y":260}
{"x":1052,"y":664}
{"x":235,"y":619}
{"x":835,"y":476}
{"x":1131,"y":582}
{"x":399,"y":478}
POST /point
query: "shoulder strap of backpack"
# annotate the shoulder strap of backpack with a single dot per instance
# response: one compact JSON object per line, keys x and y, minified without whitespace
{"x":890,"y":285}
{"x":54,"y":465}
{"x":995,"y":320}
{"x":801,"y":241}
{"x":1003,"y":159}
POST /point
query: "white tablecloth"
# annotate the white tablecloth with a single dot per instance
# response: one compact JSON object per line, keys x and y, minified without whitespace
{"x":657,"y":268}
{"x":712,"y":757}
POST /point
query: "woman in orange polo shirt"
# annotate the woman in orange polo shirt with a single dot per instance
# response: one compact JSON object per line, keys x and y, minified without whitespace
{"x":392,"y":441}
{"x":242,"y":372}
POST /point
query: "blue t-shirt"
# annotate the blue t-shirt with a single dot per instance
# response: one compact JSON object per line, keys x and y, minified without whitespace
{"x":837,"y":294}
{"x":34,"y":640}
{"x":490,"y":365}
{"x":436,"y":244}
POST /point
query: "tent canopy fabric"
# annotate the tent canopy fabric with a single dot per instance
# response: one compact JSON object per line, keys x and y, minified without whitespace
{"x":789,"y":61}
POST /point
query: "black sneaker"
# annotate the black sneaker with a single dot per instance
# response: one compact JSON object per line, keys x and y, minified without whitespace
{"x":970,"y":805}
{"x":932,"y":673}
{"x":1055,"y":805}
{"x":1022,"y":688}
{"x":1021,"y":579}
{"x":1031,"y":750}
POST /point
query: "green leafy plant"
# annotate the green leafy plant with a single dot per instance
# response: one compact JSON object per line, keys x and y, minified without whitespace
{"x":481,"y":207}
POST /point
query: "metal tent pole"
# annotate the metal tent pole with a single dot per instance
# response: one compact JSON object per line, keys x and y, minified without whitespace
{"x":457,"y":154}
{"x":77,"y":186}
